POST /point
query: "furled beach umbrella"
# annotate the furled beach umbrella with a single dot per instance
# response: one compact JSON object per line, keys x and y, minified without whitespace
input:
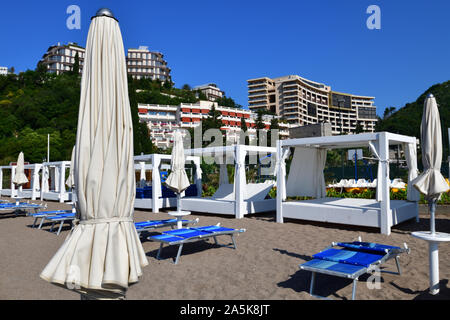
{"x":431,"y":182}
{"x":103,"y":254}
{"x":178,"y":180}
{"x":20,"y":178}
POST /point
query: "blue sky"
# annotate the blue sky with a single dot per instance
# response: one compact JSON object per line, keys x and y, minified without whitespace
{"x":228,"y":42}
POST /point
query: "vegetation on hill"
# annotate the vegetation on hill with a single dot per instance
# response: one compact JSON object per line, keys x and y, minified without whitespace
{"x":407,"y":119}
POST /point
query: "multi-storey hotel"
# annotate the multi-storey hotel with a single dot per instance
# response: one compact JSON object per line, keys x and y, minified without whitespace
{"x":301,"y":102}
{"x":163,"y":120}
{"x":3,"y":71}
{"x":61,"y":58}
{"x":142,"y":63}
{"x":211,"y":91}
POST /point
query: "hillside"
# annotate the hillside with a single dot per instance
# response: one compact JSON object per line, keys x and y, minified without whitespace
{"x":407,"y":119}
{"x":34,"y":104}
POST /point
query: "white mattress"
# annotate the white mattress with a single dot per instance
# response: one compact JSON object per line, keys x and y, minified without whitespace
{"x":364,"y":212}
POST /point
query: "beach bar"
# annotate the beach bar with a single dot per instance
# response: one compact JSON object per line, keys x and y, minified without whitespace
{"x":306,"y":179}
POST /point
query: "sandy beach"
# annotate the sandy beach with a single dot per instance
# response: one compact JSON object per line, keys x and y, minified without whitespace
{"x":264,"y":266}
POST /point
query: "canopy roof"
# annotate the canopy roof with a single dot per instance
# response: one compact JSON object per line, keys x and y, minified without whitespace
{"x":220,"y":150}
{"x":346,"y":141}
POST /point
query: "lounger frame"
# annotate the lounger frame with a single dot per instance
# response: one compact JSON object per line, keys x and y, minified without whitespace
{"x":170,"y":223}
{"x":390,"y":254}
{"x":204,"y":237}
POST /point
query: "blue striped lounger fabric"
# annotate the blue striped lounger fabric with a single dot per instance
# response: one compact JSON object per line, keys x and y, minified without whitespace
{"x":351,"y":260}
{"x":18,"y":208}
{"x":61,"y":218}
{"x":154,"y":224}
{"x":186,"y":235}
{"x":42,"y":214}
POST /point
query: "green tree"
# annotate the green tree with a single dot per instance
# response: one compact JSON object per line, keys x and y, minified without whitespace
{"x":274,"y":125}
{"x":359,"y":128}
{"x":76,"y":65}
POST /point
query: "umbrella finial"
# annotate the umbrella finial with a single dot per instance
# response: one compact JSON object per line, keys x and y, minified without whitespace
{"x":104,"y":12}
{"x":430,"y":95}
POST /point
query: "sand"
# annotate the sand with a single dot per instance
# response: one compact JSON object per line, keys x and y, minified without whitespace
{"x":264,"y":266}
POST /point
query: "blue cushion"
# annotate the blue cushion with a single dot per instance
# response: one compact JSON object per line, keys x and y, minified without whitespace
{"x":213,"y":229}
{"x":333,"y":266}
{"x":186,"y":233}
{"x":154,"y":223}
{"x":166,"y":238}
{"x":44,"y":213}
{"x":367,"y":246}
{"x":59,"y":216}
{"x":348,"y":256}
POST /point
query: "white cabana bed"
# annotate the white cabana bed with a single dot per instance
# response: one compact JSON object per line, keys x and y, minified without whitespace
{"x":53,"y":181}
{"x":236,"y":199}
{"x":306,"y":179}
{"x":31,"y":193}
{"x":153,"y":163}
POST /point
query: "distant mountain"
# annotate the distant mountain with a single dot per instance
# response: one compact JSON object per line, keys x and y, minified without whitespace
{"x":407,"y":119}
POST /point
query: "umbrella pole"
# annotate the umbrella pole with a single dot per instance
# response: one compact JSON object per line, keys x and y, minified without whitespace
{"x":432,"y":207}
{"x":433,"y":254}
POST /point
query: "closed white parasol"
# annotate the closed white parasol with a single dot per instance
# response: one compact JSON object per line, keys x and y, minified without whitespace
{"x":102,"y":255}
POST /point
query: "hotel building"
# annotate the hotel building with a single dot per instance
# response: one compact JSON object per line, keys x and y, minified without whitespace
{"x":211,"y":91}
{"x":301,"y":102}
{"x":61,"y":58}
{"x":142,"y":63}
{"x":3,"y":71}
{"x":163,"y":120}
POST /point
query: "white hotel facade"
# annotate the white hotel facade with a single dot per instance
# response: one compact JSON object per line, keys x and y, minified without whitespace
{"x":163,"y":120}
{"x":301,"y":102}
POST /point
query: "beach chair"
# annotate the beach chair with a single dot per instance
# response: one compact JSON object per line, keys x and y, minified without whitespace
{"x":350,"y":260}
{"x":185,"y":235}
{"x":154,"y":224}
{"x":42,"y":214}
{"x":61,"y":219}
{"x":20,"y":207}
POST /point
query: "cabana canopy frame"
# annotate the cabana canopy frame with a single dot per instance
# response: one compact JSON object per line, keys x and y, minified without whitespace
{"x":152,"y":162}
{"x":56,"y":172}
{"x":12,"y":192}
{"x":245,"y":198}
{"x":371,"y":214}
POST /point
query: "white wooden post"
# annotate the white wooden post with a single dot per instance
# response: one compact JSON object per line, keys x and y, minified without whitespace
{"x":1,"y":180}
{"x":62,"y":187}
{"x":239,"y":182}
{"x":142,"y":174}
{"x":13,"y":187}
{"x":280,"y":183}
{"x":386,"y":215}
{"x":156,"y":183}
{"x":57,"y":172}
{"x":44,"y":181}
{"x":35,"y":182}
{"x":198,"y":176}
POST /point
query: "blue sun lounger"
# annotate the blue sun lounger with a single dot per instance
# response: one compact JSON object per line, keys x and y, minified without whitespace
{"x":185,"y":235}
{"x":154,"y":224}
{"x":43,"y":214}
{"x":19,"y":207}
{"x":61,"y":218}
{"x":351,"y":260}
